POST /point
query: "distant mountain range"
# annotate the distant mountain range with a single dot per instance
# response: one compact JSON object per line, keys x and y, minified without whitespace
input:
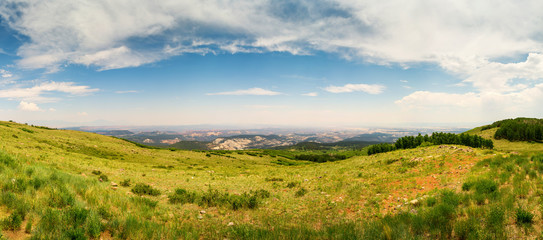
{"x":260,"y":138}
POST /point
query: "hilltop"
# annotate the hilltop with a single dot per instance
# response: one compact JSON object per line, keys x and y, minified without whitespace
{"x":104,"y":187}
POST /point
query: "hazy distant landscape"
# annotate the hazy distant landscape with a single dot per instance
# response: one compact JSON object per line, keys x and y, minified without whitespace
{"x":218,"y":139}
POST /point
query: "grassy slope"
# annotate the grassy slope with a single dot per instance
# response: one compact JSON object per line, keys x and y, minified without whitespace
{"x":354,"y":190}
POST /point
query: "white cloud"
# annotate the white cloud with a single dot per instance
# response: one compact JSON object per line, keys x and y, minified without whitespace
{"x":5,"y":73}
{"x":82,"y":114}
{"x":525,"y":102}
{"x":367,"y":88}
{"x":127,"y":91}
{"x":311,"y":94}
{"x":404,"y":81}
{"x":36,"y":93}
{"x":28,"y":106}
{"x":250,"y":91}
{"x":52,"y":110}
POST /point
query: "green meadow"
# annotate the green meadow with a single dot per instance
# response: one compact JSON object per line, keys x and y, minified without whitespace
{"x":62,"y":184}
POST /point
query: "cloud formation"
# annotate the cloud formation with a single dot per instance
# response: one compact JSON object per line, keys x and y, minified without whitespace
{"x":311,"y":94}
{"x":250,"y":91}
{"x":496,"y":48}
{"x":367,"y":88}
{"x":36,"y":93}
{"x":29,"y":106}
{"x":5,"y":73}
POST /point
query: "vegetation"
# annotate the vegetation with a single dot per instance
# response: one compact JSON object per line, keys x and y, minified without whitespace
{"x":434,"y":139}
{"x":50,"y":189}
{"x":519,"y":129}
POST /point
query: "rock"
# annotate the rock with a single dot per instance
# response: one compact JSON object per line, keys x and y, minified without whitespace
{"x":231,"y":224}
{"x":114,"y":184}
{"x":83,"y":174}
{"x":200,"y":217}
{"x":414,"y":202}
{"x":100,"y":179}
{"x":114,"y":188}
{"x":202,"y":212}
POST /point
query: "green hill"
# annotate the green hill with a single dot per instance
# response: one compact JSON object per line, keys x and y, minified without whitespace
{"x":63,"y":184}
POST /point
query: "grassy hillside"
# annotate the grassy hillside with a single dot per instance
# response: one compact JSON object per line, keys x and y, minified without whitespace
{"x":50,"y":176}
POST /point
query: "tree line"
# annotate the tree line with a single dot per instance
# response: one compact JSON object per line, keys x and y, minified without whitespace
{"x":519,"y":129}
{"x":435,"y":139}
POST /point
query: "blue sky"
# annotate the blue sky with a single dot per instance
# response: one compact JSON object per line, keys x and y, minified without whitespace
{"x":281,"y":63}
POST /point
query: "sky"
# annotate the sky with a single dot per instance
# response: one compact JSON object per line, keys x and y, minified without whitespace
{"x":314,"y":63}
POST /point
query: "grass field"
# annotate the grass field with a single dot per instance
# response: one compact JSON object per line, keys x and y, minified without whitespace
{"x":103,"y":187}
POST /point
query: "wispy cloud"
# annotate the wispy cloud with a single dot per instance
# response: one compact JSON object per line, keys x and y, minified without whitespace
{"x":311,"y":94}
{"x":36,"y":93}
{"x":5,"y":73}
{"x":127,"y":91}
{"x":367,"y":88}
{"x":250,"y":91}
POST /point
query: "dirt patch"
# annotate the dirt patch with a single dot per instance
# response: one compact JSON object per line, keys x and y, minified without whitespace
{"x":452,"y":170}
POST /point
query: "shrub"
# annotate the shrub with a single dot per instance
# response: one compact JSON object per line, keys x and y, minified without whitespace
{"x":59,"y":198}
{"x":144,"y":189}
{"x":27,"y":130}
{"x":13,"y":222}
{"x":450,"y":198}
{"x":439,"y":219}
{"x":431,"y":201}
{"x":467,"y":186}
{"x":495,"y":222}
{"x":292,"y":184}
{"x":467,"y":229}
{"x":261,"y":193}
{"x":96,"y":172}
{"x":182,"y":196}
{"x":125,"y":183}
{"x":103,"y":177}
{"x":538,"y":158}
{"x":28,"y":227}
{"x":485,"y":186}
{"x":273,"y":179}
{"x":301,"y":192}
{"x":524,"y":217}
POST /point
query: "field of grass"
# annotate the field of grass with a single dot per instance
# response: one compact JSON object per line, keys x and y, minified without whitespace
{"x":103,"y":187}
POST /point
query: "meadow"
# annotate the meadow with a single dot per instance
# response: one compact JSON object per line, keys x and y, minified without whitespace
{"x":102,"y":187}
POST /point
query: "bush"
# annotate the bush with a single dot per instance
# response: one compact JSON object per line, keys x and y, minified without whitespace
{"x":103,"y":177}
{"x":495,"y":222}
{"x":96,"y":172}
{"x":144,"y":189}
{"x":292,"y":184}
{"x":273,"y":179}
{"x":301,"y":192}
{"x":467,"y":229}
{"x":13,"y":222}
{"x":485,"y":186}
{"x":439,"y":219}
{"x":125,"y":183}
{"x":213,"y":198}
{"x":182,"y":196}
{"x":524,"y":217}
{"x":467,"y":186}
